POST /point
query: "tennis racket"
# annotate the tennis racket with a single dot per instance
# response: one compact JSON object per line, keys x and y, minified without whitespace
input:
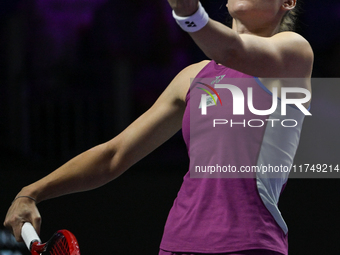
{"x":63,"y":242}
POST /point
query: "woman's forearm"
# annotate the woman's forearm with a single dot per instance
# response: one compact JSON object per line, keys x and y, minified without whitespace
{"x":89,"y":170}
{"x":218,"y":41}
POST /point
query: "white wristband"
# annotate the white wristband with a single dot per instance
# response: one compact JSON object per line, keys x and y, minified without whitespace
{"x":194,"y":22}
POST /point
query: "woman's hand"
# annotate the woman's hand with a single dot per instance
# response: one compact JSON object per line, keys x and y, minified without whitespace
{"x":22,"y":210}
{"x":184,"y":8}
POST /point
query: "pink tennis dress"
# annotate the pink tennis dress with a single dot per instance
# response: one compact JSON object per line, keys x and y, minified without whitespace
{"x":217,"y":210}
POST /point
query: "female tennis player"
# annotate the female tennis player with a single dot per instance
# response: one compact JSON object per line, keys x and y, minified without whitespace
{"x":209,"y":215}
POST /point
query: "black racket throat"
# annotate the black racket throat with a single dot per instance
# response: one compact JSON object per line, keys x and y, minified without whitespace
{"x":58,"y":242}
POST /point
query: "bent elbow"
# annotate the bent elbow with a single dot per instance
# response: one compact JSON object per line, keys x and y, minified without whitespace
{"x":116,"y":163}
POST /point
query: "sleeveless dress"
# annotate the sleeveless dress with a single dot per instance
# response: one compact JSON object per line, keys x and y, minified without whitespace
{"x":217,"y":211}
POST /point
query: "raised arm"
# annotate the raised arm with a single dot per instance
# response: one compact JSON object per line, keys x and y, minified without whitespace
{"x":285,"y":54}
{"x":107,"y":161}
{"x":247,"y":48}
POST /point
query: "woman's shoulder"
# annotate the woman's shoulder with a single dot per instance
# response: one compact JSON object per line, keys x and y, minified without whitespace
{"x":298,"y":40}
{"x":181,"y":83}
{"x":299,"y":53}
{"x":194,"y":69}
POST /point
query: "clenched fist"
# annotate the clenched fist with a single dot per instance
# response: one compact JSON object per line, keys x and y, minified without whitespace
{"x":22,"y":210}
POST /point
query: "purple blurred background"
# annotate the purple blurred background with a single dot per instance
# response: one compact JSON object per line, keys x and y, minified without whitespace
{"x":75,"y":73}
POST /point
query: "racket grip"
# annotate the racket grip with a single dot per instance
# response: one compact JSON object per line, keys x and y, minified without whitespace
{"x":29,"y":235}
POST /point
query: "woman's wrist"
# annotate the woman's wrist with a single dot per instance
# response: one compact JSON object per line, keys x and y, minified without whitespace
{"x":28,"y":192}
{"x":194,"y":22}
{"x":28,"y":197}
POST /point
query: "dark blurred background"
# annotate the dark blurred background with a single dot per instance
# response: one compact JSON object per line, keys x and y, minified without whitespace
{"x":74,"y":73}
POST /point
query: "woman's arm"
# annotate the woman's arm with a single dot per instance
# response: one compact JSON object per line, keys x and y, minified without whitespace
{"x":282,"y":55}
{"x":107,"y":161}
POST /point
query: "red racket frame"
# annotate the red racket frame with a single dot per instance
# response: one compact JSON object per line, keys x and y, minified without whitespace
{"x":63,"y":242}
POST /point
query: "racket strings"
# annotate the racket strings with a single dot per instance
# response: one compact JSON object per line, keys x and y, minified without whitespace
{"x":60,"y":247}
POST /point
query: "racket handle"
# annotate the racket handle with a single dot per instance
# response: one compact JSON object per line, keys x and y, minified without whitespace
{"x":29,"y":235}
